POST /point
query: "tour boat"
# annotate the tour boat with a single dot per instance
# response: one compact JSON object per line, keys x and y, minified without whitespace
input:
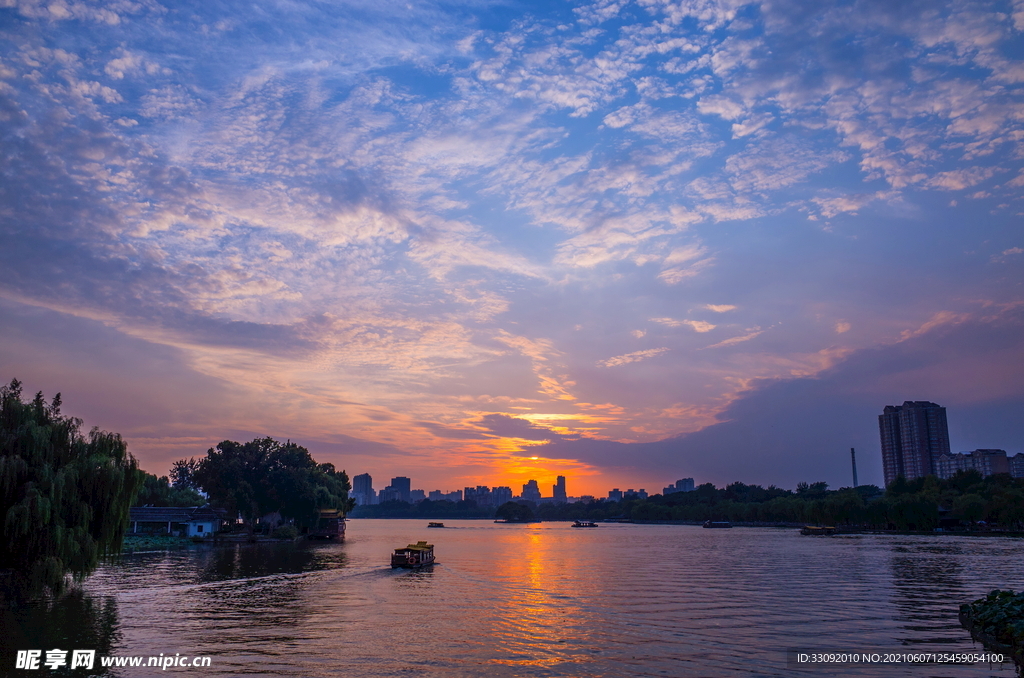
{"x":717,"y":523}
{"x":584,"y":523}
{"x":435,"y":524}
{"x":329,"y":525}
{"x":818,"y":531}
{"x":419,"y":554}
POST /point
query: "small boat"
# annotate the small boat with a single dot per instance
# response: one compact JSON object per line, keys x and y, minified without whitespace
{"x":419,"y":554}
{"x":584,"y":523}
{"x":717,"y":523}
{"x":435,"y":524}
{"x":817,"y":531}
{"x":330,"y":524}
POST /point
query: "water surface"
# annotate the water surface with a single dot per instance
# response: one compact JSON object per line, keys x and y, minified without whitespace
{"x":540,"y":600}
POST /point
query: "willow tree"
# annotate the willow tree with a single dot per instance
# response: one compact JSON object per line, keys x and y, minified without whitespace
{"x":64,"y":497}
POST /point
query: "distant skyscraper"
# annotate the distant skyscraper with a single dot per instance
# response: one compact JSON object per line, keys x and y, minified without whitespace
{"x":681,"y":485}
{"x":1017,"y":465}
{"x":501,"y":495}
{"x":531,"y":492}
{"x":615,"y":494}
{"x":914,"y":435}
{"x":362,"y":490}
{"x":558,"y":491}
{"x":402,"y":486}
{"x":481,"y":494}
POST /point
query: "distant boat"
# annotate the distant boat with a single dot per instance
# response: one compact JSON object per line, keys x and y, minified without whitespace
{"x":817,"y":531}
{"x":435,"y":524}
{"x":330,"y":524}
{"x":584,"y":523}
{"x":419,"y":554}
{"x":717,"y":523}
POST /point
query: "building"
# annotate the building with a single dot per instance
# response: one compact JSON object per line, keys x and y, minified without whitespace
{"x":416,"y":496}
{"x":454,"y":497}
{"x":681,"y":485}
{"x":362,"y":490}
{"x":635,"y":494}
{"x":985,"y":462}
{"x":531,"y":492}
{"x":558,"y":490}
{"x":615,"y":494}
{"x":914,"y":435}
{"x":190,"y":521}
{"x":481,"y":494}
{"x":1017,"y":465}
{"x":501,"y":495}
{"x":403,"y":486}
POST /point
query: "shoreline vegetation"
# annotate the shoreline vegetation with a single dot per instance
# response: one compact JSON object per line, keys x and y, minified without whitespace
{"x":66,"y":497}
{"x":997,"y":622}
{"x":963,"y":504}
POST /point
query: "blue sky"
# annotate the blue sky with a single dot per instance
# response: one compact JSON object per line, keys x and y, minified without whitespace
{"x":443,"y":239}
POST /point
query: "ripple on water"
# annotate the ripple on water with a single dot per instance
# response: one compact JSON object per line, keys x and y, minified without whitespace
{"x":547,"y":600}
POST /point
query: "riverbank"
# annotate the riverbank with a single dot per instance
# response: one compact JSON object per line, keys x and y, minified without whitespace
{"x":997,"y":622}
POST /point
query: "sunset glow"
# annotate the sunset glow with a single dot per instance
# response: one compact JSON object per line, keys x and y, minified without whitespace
{"x":480,"y":244}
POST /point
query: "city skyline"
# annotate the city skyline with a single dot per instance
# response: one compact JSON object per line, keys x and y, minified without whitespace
{"x":617,"y":242}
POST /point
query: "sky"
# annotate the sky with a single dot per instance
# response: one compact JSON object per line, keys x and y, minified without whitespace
{"x":479,"y":243}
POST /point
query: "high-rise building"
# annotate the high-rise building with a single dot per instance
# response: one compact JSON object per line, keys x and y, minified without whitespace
{"x":402,"y":486}
{"x":914,"y":435}
{"x":558,"y":490}
{"x":615,"y":494}
{"x":416,"y":496}
{"x":681,"y":485}
{"x":1017,"y":465}
{"x":501,"y":495}
{"x":362,"y":490}
{"x":481,"y":494}
{"x":531,"y":492}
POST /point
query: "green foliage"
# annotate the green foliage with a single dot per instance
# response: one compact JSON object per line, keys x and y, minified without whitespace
{"x":999,"y":614}
{"x":514,"y":512}
{"x":183,"y":473}
{"x":64,"y":497}
{"x":906,"y":505}
{"x":285,"y":532}
{"x":264,"y":476}
{"x":159,"y":492}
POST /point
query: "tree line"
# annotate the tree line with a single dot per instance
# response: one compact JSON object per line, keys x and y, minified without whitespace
{"x":922,"y":504}
{"x":65,"y":495}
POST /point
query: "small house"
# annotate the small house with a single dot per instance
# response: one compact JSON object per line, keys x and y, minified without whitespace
{"x":184,"y":521}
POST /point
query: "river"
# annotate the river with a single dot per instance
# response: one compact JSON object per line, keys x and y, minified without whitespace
{"x":535,"y":600}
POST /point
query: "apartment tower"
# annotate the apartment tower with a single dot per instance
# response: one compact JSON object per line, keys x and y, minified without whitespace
{"x":914,"y":435}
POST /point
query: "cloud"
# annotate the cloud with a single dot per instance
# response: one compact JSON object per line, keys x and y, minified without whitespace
{"x":719,"y":308}
{"x":739,"y":339}
{"x":636,"y":356}
{"x":784,"y":430}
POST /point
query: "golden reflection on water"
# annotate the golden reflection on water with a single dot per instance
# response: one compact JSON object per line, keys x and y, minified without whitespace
{"x":534,"y":629}
{"x":509,"y":601}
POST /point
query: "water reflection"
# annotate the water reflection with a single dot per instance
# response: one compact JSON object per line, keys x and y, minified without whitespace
{"x":243,"y":561}
{"x":924,"y":577}
{"x":512,"y":601}
{"x":76,"y":621}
